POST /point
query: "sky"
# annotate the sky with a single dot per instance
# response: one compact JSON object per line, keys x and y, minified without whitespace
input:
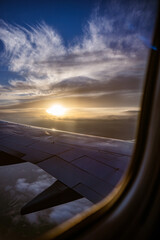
{"x":89,"y":56}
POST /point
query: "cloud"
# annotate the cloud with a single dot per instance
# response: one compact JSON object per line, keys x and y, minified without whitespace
{"x":109,"y":56}
{"x":36,"y":187}
{"x":83,"y":85}
{"x":24,"y":47}
{"x":66,"y":211}
{"x":58,"y":214}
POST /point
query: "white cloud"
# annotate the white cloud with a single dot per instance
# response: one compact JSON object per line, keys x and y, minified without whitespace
{"x":40,"y":56}
{"x":35,"y":187}
{"x":24,"y":47}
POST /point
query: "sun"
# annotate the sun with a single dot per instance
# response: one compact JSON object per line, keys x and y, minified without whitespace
{"x":57,"y":110}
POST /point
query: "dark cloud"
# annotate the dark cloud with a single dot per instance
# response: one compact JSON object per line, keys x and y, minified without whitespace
{"x":86,"y":85}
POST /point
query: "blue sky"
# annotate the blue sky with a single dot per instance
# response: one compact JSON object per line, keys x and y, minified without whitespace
{"x":74,"y":50}
{"x":67,"y":17}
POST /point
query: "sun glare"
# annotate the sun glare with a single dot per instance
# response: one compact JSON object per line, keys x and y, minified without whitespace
{"x":56,"y":110}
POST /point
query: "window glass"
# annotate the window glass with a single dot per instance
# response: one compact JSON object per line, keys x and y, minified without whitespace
{"x":73,"y":66}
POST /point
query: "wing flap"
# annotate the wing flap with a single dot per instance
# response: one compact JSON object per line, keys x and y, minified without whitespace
{"x":72,"y":175}
{"x":57,"y":193}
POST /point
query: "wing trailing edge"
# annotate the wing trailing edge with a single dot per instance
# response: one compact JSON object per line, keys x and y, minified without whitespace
{"x":58,"y":193}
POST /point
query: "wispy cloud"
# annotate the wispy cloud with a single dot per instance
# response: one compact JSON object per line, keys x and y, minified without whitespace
{"x":109,"y":52}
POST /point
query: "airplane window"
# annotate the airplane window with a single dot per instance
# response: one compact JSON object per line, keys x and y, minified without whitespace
{"x":71,"y":82}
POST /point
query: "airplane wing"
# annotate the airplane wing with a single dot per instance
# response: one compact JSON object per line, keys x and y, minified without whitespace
{"x":83,"y":165}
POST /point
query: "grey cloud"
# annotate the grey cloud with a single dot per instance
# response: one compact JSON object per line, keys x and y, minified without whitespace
{"x":83,"y":85}
{"x":21,"y":85}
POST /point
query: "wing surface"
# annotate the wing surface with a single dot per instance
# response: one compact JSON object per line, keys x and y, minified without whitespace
{"x":89,"y":165}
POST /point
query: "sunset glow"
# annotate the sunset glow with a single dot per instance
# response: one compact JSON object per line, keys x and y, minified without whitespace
{"x":56,"y":110}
